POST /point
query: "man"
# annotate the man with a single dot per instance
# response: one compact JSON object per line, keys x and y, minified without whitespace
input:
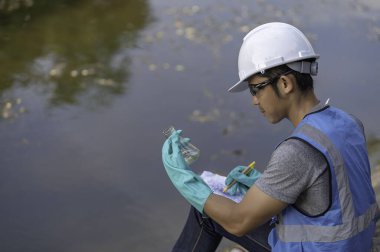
{"x":316,"y":190}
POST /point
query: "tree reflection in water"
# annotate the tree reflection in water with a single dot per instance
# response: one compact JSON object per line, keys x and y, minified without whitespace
{"x":69,"y":48}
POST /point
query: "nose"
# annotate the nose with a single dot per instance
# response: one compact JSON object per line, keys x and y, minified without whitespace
{"x":255,"y":101}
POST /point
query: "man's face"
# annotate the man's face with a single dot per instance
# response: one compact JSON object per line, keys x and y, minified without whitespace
{"x":267,"y":100}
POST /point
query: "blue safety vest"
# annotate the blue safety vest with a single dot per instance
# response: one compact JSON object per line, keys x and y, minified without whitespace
{"x":349,"y":223}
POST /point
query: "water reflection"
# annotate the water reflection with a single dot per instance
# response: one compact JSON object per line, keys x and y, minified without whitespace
{"x":70,"y":48}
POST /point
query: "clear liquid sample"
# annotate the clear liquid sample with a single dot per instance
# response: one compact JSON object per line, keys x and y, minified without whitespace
{"x":189,"y":151}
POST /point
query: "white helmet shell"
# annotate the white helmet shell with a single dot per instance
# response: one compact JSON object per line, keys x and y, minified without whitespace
{"x":270,"y":45}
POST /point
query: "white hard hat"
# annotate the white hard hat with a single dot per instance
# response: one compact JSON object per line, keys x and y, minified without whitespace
{"x":274,"y":44}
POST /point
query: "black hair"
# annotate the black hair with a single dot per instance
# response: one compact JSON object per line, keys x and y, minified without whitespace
{"x":304,"y":81}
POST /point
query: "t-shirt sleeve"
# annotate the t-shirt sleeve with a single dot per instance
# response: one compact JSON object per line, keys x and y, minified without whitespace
{"x":293,"y":167}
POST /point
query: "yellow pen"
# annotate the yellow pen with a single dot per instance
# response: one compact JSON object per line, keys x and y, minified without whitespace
{"x":249,"y":168}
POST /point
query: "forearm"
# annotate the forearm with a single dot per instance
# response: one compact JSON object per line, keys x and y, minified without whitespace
{"x":223,"y":211}
{"x":229,"y":215}
{"x":239,"y":218}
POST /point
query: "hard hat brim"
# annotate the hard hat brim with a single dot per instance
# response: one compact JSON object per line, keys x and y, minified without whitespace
{"x":241,"y":86}
{"x":238,"y":87}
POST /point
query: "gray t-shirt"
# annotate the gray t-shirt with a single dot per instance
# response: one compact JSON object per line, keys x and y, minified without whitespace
{"x":298,"y":174}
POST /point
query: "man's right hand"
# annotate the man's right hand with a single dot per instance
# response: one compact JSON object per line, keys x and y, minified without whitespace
{"x":244,"y":181}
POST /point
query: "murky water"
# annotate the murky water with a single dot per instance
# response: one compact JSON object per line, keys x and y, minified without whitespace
{"x":86,"y":88}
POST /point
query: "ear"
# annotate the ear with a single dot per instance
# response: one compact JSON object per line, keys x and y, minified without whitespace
{"x":287,"y":84}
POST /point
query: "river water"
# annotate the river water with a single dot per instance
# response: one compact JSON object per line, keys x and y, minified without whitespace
{"x":86,"y":87}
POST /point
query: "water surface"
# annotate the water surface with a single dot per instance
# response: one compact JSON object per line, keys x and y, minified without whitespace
{"x":86,"y":88}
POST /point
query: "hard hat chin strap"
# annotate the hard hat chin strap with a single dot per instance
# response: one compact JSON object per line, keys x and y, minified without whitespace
{"x":304,"y":67}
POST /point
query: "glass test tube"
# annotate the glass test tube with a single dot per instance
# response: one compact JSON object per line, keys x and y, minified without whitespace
{"x":189,"y":151}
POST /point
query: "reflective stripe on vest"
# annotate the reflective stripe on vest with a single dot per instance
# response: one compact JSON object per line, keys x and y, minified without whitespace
{"x":351,"y":224}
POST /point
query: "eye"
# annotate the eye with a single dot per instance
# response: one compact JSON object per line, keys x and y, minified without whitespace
{"x":253,"y":89}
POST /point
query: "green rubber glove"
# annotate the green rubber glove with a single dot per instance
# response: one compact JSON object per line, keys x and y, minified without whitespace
{"x":244,"y":182}
{"x":189,"y":184}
